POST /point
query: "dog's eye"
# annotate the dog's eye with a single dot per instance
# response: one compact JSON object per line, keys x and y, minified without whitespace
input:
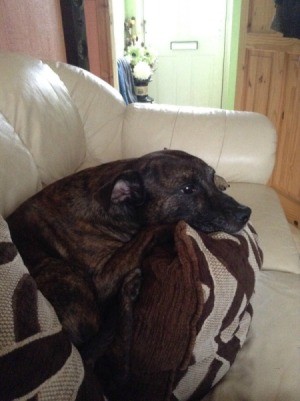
{"x":188,"y":189}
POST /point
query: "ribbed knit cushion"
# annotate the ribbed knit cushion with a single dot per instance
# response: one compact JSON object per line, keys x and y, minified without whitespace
{"x":37,"y":361}
{"x":191,"y":317}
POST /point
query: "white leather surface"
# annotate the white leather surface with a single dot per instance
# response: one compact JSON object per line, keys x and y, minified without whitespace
{"x":249,"y":148}
{"x":147,"y":128}
{"x":36,"y":103}
{"x":200,"y":132}
{"x":55,"y":114}
{"x":239,"y":145}
{"x":280,"y":252}
{"x":268,"y":366}
{"x":19,"y":178}
{"x":101,"y":109}
{"x":42,"y":138}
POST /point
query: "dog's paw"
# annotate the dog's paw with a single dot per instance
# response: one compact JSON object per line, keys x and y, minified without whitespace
{"x":132,"y":284}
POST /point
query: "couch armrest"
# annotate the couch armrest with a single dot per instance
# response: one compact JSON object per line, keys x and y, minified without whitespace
{"x":241,"y":146}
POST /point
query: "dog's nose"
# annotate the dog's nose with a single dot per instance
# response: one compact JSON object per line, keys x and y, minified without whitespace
{"x":243,"y":214}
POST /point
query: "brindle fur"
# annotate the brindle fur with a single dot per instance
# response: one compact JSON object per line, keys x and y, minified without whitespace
{"x":68,"y":232}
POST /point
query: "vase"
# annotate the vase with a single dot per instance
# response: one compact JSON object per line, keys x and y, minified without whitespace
{"x":141,"y":91}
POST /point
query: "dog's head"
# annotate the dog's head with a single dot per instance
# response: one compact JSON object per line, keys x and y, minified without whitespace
{"x":169,"y":186}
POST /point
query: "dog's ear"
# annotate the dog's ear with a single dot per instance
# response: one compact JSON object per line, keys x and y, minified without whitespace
{"x":127,"y":187}
{"x":221,"y":183}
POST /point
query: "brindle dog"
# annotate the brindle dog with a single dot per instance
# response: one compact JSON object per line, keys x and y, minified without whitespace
{"x":67,"y":233}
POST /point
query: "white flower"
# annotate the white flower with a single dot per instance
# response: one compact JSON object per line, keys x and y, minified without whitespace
{"x":150,"y":57}
{"x":134,"y":54}
{"x":142,"y":71}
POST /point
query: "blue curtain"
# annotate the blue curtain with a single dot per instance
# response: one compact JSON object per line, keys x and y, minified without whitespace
{"x":126,"y":83}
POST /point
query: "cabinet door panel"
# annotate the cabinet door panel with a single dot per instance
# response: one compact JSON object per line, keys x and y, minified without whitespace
{"x":269,"y":83}
{"x":258,"y":79}
{"x":286,"y":176}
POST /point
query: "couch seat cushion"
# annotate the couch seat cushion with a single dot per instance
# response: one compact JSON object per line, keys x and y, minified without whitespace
{"x":267,"y":367}
{"x":280,"y":252}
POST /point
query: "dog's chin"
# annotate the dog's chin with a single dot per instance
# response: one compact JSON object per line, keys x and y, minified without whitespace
{"x":229,"y":228}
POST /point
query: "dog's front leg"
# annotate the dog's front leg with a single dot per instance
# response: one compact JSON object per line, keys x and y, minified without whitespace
{"x":126,"y":259}
{"x":73,"y":297}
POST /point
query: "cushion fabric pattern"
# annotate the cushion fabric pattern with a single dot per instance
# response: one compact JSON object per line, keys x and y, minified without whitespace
{"x":229,"y":264}
{"x":191,"y":317}
{"x":37,"y":360}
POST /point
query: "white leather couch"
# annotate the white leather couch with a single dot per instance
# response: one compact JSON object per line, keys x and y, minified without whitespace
{"x":56,"y":119}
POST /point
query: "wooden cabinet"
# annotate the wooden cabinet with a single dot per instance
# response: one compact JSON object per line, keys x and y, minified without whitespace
{"x":269,"y":83}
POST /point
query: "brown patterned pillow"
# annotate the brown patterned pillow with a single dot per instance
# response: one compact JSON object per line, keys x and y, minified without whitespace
{"x":37,"y":361}
{"x":190,"y":319}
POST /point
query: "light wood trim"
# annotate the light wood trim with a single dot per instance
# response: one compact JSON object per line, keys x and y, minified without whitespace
{"x":272,"y":42}
{"x":32,"y":27}
{"x":91,"y":21}
{"x":98,"y":31}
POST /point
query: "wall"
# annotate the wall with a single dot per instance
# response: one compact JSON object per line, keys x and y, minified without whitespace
{"x":135,"y":8}
{"x":32,"y":27}
{"x":129,"y":8}
{"x":231,"y":53}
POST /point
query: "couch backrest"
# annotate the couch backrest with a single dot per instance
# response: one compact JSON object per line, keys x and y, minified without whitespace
{"x":56,"y":119}
{"x":241,"y":146}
